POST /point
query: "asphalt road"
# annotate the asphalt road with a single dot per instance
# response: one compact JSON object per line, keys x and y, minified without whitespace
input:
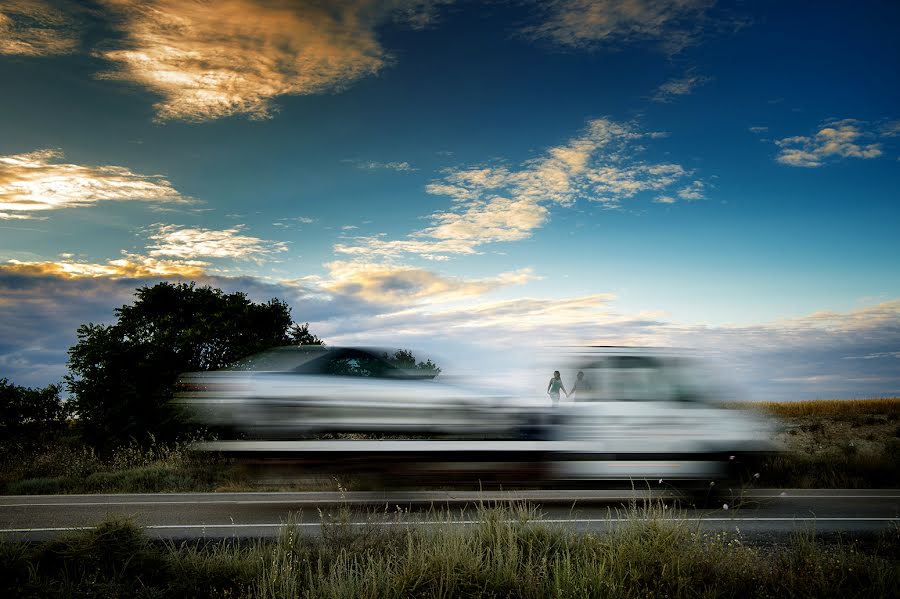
{"x":761,"y":513}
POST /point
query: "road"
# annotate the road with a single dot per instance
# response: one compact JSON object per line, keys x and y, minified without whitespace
{"x":758,"y":513}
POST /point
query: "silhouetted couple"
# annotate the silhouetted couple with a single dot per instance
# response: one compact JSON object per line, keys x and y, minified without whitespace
{"x":556,"y":385}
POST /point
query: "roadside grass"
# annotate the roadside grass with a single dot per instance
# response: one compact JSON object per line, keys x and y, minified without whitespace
{"x":70,"y":467}
{"x":508,"y":551}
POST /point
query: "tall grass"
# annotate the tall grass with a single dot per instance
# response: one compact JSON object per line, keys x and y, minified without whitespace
{"x":506,"y":552}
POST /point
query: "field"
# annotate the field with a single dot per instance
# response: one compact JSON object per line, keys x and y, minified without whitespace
{"x":827,"y":444}
{"x":835,"y":444}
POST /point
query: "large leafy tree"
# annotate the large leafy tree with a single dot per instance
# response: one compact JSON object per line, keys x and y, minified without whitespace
{"x":122,"y":375}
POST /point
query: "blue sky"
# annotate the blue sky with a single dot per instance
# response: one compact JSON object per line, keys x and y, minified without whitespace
{"x":449,"y":175}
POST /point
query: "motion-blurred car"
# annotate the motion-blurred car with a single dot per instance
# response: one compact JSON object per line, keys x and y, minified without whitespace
{"x":293,"y":392}
{"x":645,"y":413}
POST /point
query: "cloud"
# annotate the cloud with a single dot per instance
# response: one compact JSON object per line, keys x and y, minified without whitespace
{"x":372,"y":165}
{"x":36,"y":28}
{"x":695,"y":191}
{"x":186,"y":242}
{"x":498,"y":203}
{"x":890,"y":129}
{"x":295,"y":221}
{"x":209,"y":60}
{"x":675,"y":24}
{"x":402,"y":285}
{"x":833,"y":141}
{"x":824,"y":354}
{"x":130,"y":266}
{"x":39,"y":181}
{"x":758,"y":130}
{"x":674,"y":88}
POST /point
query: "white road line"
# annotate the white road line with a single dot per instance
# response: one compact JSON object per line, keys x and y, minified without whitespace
{"x":311,"y":501}
{"x":467,"y":522}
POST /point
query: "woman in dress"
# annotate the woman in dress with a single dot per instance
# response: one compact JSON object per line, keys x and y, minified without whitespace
{"x":555,"y":386}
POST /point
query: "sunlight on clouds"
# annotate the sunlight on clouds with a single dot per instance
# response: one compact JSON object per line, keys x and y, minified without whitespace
{"x":214,"y":59}
{"x":128,"y":267}
{"x":846,"y":138}
{"x":501,"y":204}
{"x":186,"y":242}
{"x":391,"y":284}
{"x":38,"y":181}
{"x":35,"y":28}
{"x":675,"y":23}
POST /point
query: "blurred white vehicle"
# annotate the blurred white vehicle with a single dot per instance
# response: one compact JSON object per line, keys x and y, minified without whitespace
{"x":640,"y":413}
{"x":637,"y":415}
{"x":295,"y":391}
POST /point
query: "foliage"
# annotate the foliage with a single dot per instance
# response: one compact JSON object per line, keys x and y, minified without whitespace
{"x":353,"y":362}
{"x":122,"y":375}
{"x":405,"y":359}
{"x":299,"y":335}
{"x":29,"y":415}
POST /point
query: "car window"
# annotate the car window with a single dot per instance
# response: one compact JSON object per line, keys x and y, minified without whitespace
{"x":278,"y":359}
{"x":350,"y":362}
{"x":631,"y":378}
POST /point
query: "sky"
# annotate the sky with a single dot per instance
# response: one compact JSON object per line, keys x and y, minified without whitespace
{"x":481,"y":181}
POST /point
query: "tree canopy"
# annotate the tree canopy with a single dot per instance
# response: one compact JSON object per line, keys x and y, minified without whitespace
{"x":122,"y":375}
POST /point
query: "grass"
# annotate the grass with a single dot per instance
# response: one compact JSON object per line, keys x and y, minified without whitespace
{"x":508,"y":552}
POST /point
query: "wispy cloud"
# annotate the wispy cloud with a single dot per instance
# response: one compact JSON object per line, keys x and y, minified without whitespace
{"x":498,"y":203}
{"x":212,"y":60}
{"x":187,"y":242}
{"x":374,"y":165}
{"x":835,"y":140}
{"x":36,"y":28}
{"x":39,"y":181}
{"x":294,"y":221}
{"x":682,"y":86}
{"x":674,"y":24}
{"x":758,"y":130}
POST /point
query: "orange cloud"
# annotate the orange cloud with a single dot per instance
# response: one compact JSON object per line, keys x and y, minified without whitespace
{"x":214,"y":59}
{"x":35,"y":28}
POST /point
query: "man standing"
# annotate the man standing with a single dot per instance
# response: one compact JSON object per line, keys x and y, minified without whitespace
{"x":581,"y":385}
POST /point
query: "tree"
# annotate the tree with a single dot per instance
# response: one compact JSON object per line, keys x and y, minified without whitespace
{"x":404,"y":358}
{"x":30,"y":416}
{"x":122,"y":376}
{"x":300,"y":335}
